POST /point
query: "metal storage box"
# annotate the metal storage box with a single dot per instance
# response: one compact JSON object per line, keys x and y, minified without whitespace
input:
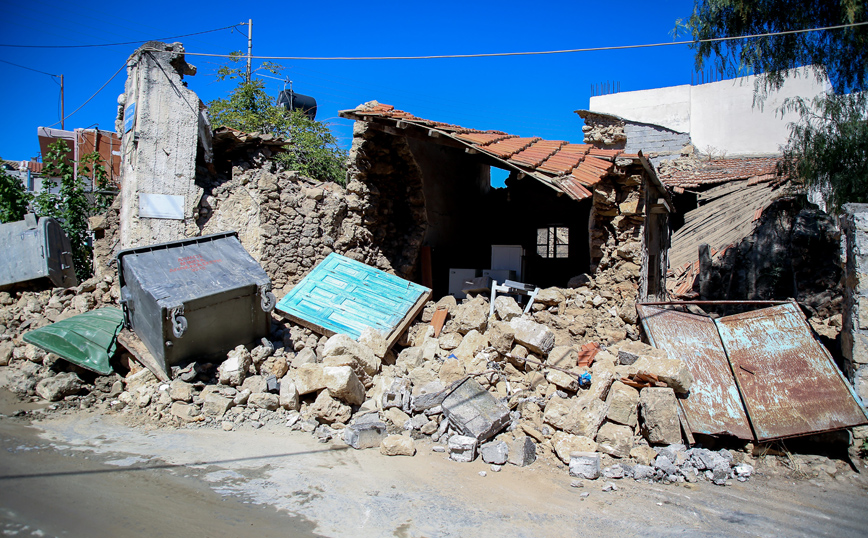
{"x":33,"y":250}
{"x":194,"y":298}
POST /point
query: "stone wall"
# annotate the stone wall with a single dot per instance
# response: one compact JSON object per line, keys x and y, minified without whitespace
{"x":603,"y":130}
{"x":854,"y":334}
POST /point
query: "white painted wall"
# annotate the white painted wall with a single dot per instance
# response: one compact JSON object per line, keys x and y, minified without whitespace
{"x":719,"y":116}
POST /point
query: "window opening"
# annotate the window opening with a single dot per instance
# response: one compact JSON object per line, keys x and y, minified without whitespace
{"x":553,"y":242}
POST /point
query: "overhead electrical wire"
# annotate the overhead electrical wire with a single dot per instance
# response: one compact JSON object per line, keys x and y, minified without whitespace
{"x":115,"y":44}
{"x":92,"y":96}
{"x":29,"y":68}
{"x":532,"y":53}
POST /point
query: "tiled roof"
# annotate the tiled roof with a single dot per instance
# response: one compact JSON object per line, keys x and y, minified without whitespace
{"x":717,"y":171}
{"x":33,"y":166}
{"x":566,"y":167}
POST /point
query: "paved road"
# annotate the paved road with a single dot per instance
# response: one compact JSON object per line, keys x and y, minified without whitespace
{"x":91,"y":475}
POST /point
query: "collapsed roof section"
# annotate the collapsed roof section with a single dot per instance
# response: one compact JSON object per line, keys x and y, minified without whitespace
{"x":572,"y":169}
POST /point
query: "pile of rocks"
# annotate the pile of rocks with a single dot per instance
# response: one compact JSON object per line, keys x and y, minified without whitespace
{"x":505,"y":387}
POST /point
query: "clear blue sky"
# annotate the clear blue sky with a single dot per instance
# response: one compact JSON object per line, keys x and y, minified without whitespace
{"x":529,"y":96}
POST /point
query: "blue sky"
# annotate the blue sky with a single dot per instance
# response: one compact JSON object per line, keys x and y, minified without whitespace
{"x":529,"y":96}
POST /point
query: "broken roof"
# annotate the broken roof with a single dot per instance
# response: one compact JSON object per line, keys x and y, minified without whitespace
{"x":572,"y":169}
{"x":706,"y":173}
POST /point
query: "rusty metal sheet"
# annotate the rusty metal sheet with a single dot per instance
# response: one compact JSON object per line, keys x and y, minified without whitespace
{"x":787,"y":379}
{"x":714,"y":406}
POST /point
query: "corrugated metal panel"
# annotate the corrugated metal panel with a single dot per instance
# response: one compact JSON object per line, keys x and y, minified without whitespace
{"x":714,"y":406}
{"x":788,"y":381}
{"x":344,"y":296}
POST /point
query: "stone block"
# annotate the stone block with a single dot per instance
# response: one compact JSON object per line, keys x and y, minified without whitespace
{"x":373,"y":340}
{"x":264,"y":400}
{"x":472,"y":316}
{"x":643,"y":454}
{"x":343,"y":384}
{"x":365,"y":433}
{"x":462,"y":448}
{"x":409,"y":358}
{"x":522,"y":452}
{"x":565,"y":444}
{"x":643,"y":472}
{"x":308,"y":378}
{"x":397,"y":417}
{"x":615,"y":440}
{"x":184,"y":411}
{"x":473,"y":343}
{"x":562,"y":380}
{"x":473,"y":411}
{"x":327,"y":410}
{"x":623,"y":404}
{"x":341,"y":344}
{"x":451,"y":371}
{"x":234,"y":369}
{"x":534,"y":336}
{"x":288,"y":395}
{"x":495,"y":452}
{"x":550,"y":297}
{"x":427,"y":396}
{"x":501,"y":336}
{"x":585,"y":465}
{"x":305,"y":356}
{"x":397,"y":395}
{"x":58,"y":387}
{"x":397,"y":445}
{"x":660,"y":423}
{"x":505,"y":308}
{"x":214,"y":405}
{"x":673,"y":372}
{"x":630,"y":352}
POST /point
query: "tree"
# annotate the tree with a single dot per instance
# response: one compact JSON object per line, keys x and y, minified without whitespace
{"x":14,"y":198}
{"x":312,"y":150}
{"x":72,"y":205}
{"x":828,"y":146}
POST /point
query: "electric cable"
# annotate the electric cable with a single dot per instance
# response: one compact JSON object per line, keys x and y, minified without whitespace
{"x":531,"y":53}
{"x":115,"y":44}
{"x":29,"y":68}
{"x":92,"y":96}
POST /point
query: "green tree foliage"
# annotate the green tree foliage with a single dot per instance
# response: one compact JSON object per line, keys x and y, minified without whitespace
{"x":74,"y":202}
{"x":828,"y":145}
{"x":312,"y":149}
{"x":14,"y":198}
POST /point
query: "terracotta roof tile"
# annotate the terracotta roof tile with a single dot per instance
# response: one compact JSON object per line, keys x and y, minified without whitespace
{"x":483,"y":138}
{"x":509,"y":147}
{"x":717,"y":171}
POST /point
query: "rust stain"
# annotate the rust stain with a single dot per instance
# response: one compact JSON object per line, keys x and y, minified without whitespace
{"x":788,"y":381}
{"x":714,"y":406}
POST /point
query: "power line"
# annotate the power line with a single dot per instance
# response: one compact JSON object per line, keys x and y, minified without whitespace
{"x":116,"y":44}
{"x":29,"y":68}
{"x":92,"y":96}
{"x":536,"y":53}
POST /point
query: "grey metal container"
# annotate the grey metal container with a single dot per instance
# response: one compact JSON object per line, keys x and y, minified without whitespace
{"x":194,"y":298}
{"x":35,"y":250}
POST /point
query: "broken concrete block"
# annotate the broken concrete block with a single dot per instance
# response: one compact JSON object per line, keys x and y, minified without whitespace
{"x":506,"y":308}
{"x":565,"y":444}
{"x":471,"y":316}
{"x":181,"y":391}
{"x":58,"y":387}
{"x":473,"y":343}
{"x":473,"y":411}
{"x":462,"y":448}
{"x":214,"y":405}
{"x":579,"y":416}
{"x":427,"y":396}
{"x":416,"y":422}
{"x":534,"y":336}
{"x":630,"y":352}
{"x":421,"y":376}
{"x":288,"y":395}
{"x":563,"y":380}
{"x":673,"y":372}
{"x":500,"y":336}
{"x":643,"y":472}
{"x":305,"y":356}
{"x":308,"y":378}
{"x":615,"y":440}
{"x":660,"y":415}
{"x":409,"y":358}
{"x":397,"y":417}
{"x":602,"y":377}
{"x":623,"y":404}
{"x":397,"y":395}
{"x":343,"y":384}
{"x":234,"y":369}
{"x":264,"y":400}
{"x":451,"y":371}
{"x":495,"y":452}
{"x":643,"y":454}
{"x":550,"y":297}
{"x":373,"y":340}
{"x":327,"y":410}
{"x":341,"y":344}
{"x":585,"y":465}
{"x":365,"y":432}
{"x":397,"y":445}
{"x":522,"y":452}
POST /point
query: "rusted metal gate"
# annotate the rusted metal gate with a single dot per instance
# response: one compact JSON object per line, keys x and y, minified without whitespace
{"x":786,"y":380}
{"x":714,"y":406}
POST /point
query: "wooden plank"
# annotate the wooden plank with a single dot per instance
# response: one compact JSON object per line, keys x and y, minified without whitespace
{"x":399,"y":330}
{"x":137,"y":349}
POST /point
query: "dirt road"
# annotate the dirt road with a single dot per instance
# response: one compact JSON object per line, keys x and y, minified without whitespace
{"x":91,"y":475}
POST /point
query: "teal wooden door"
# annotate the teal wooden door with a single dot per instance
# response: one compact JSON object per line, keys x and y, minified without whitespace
{"x":345,"y":296}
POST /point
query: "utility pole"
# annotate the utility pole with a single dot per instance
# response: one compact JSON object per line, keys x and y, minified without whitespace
{"x":62,"y":113}
{"x":249,"y":46}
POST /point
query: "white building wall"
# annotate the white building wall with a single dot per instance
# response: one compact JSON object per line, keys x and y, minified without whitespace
{"x":720,"y":116}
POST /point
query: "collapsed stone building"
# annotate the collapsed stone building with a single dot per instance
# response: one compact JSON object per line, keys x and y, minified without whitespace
{"x":590,"y":226}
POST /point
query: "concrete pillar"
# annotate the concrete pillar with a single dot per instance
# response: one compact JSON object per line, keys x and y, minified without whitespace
{"x":160,"y":135}
{"x":854,"y":333}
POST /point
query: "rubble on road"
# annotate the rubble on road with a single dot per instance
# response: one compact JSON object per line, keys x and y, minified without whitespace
{"x":483,"y":390}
